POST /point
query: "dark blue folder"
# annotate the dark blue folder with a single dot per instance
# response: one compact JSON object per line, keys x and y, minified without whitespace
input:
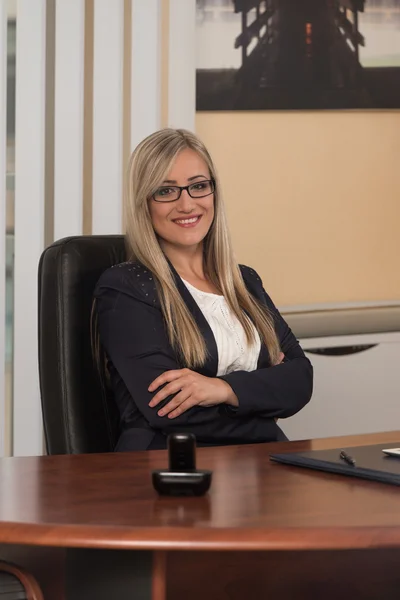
{"x":370,"y":462}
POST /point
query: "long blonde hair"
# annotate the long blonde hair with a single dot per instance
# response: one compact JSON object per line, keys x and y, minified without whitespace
{"x":148,"y":167}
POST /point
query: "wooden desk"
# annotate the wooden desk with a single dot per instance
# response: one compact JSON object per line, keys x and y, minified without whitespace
{"x":91,"y":527}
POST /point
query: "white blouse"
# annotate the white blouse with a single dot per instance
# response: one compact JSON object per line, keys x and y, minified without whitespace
{"x":234,"y":353}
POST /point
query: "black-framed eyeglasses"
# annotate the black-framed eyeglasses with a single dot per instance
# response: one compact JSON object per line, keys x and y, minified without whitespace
{"x":170,"y":193}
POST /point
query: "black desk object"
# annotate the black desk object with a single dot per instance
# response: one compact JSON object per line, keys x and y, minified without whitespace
{"x":370,"y":462}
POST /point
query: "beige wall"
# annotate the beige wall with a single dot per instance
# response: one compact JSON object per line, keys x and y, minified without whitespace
{"x":313,"y":200}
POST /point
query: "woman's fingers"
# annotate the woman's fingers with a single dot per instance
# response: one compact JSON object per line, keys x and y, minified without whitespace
{"x":183,"y":407}
{"x":171,"y":388}
{"x":166,"y":377}
{"x":175,"y":405}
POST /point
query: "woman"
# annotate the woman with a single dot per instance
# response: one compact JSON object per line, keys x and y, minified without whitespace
{"x":193,"y":341}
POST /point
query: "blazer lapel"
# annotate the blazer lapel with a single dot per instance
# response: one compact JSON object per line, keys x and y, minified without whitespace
{"x":263,"y":358}
{"x":210,"y":367}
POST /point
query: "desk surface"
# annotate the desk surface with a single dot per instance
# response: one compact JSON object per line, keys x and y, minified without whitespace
{"x":107,"y":501}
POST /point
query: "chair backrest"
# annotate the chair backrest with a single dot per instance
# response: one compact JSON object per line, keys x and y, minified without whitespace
{"x":78,"y":412}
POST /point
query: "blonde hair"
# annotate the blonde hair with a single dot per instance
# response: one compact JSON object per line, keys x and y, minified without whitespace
{"x":148,"y":167}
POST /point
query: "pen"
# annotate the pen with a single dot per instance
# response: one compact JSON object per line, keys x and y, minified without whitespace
{"x":347,"y":458}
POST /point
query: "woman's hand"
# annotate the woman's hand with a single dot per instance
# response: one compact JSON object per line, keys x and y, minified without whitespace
{"x":191,"y":389}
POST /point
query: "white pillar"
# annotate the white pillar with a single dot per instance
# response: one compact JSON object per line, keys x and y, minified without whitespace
{"x":29,"y":221}
{"x":68,"y":125}
{"x":107,"y":116}
{"x":182,"y":64}
{"x":145,"y":69}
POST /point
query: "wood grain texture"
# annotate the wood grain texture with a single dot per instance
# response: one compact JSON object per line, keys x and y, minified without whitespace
{"x":107,"y":501}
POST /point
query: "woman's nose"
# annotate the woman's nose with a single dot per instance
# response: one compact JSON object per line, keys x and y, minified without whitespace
{"x":185,"y":202}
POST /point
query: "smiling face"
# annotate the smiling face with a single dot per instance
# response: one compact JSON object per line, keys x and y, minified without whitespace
{"x":184,"y":222}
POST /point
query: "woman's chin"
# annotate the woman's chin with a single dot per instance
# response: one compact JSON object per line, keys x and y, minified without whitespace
{"x":186,"y":238}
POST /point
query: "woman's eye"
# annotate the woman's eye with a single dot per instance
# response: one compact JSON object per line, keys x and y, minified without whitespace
{"x":165,"y":191}
{"x":199,"y":186}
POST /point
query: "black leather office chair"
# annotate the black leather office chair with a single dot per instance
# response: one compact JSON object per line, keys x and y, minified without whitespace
{"x":78,"y":412}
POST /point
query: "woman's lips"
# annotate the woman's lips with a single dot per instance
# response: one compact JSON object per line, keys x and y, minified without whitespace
{"x":188,"y":221}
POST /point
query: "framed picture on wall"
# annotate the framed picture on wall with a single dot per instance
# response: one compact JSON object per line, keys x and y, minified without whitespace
{"x":298,"y":54}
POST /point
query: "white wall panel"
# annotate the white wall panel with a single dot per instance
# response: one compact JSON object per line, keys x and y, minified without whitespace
{"x":145,"y":69}
{"x":68,"y":126}
{"x":182,"y":64}
{"x":107,"y":116}
{"x":3,"y":142}
{"x":29,"y":220}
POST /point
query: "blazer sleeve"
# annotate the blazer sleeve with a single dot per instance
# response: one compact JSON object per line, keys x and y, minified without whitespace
{"x":133,"y":335}
{"x":276,"y":391}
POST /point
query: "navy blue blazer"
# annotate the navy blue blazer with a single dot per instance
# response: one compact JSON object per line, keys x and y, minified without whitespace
{"x":133,"y":335}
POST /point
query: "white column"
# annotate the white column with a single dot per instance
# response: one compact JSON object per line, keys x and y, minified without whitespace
{"x":29,"y":221}
{"x":145,"y":69}
{"x":182,"y":64}
{"x":107,"y":116}
{"x":68,"y":126}
{"x":3,"y":146}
